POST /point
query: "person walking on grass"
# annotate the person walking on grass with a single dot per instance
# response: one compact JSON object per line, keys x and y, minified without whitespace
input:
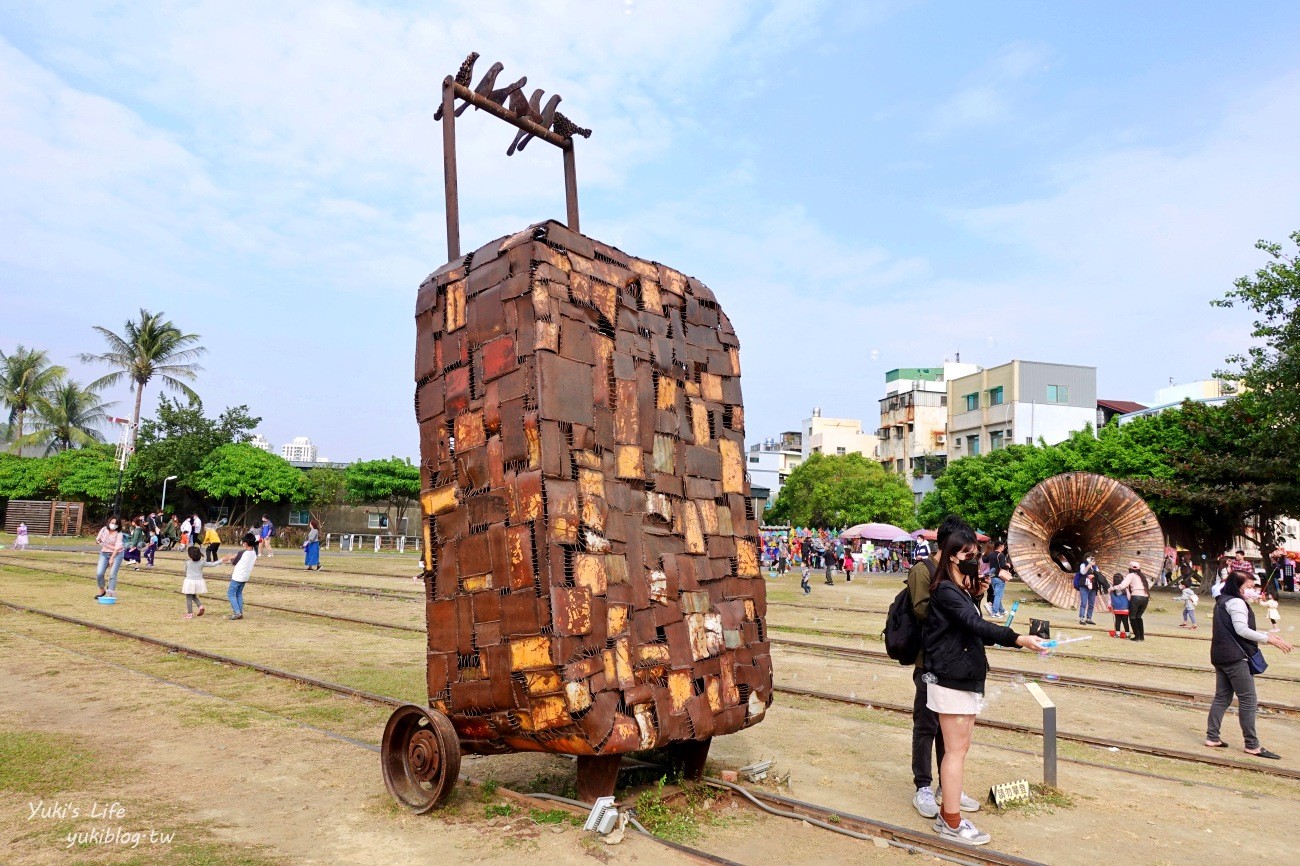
{"x":1189,"y":600}
{"x":1237,"y":659}
{"x":243,"y":563}
{"x":111,"y":547}
{"x":194,"y":585}
{"x":311,"y":547}
{"x":264,"y":535}
{"x":20,"y":537}
{"x":211,"y":540}
{"x":956,"y":666}
{"x":134,"y":543}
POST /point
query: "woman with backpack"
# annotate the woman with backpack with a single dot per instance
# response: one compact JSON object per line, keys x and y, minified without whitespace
{"x":956,"y":665}
{"x":1237,"y":660}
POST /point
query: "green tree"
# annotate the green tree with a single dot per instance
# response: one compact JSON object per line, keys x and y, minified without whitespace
{"x":177,"y":442}
{"x":147,"y":348}
{"x":327,"y":490}
{"x":22,"y":477}
{"x":67,"y":416}
{"x":843,"y":490}
{"x":25,"y":376}
{"x":84,"y":474}
{"x":394,"y":481}
{"x":243,"y":476}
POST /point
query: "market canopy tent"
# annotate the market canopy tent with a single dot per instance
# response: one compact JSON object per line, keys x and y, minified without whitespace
{"x":886,"y":532}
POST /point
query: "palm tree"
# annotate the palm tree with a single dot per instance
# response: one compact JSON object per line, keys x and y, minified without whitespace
{"x":67,"y":416}
{"x":148,"y":347}
{"x":24,"y":376}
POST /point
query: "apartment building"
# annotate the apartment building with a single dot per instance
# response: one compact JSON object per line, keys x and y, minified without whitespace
{"x":771,"y":461}
{"x":1019,"y":402}
{"x":835,"y":436}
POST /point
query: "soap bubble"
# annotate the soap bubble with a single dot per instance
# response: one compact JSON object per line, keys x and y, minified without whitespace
{"x":1018,"y":679}
{"x":874,"y":354}
{"x":1051,"y":678}
{"x":853,"y":696}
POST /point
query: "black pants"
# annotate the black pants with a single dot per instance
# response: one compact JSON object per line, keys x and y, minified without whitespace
{"x":1137,"y":605}
{"x":925,"y":735}
{"x":1121,"y":622}
{"x":212,"y":552}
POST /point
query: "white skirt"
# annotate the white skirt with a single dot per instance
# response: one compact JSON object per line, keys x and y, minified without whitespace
{"x":194,"y":586}
{"x":952,"y":702}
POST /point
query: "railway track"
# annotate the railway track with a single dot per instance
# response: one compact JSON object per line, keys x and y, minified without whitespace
{"x":1172,"y":666}
{"x":1084,"y":628}
{"x":913,"y":841}
{"x":855,"y":654}
{"x":1086,"y":739}
{"x":1009,"y":674}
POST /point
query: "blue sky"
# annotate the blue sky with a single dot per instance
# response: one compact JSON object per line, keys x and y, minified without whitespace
{"x":864,"y":185}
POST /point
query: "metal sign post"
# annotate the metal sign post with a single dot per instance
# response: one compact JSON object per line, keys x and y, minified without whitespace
{"x":1049,"y":733}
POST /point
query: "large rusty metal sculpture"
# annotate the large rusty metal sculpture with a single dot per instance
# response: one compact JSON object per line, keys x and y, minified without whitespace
{"x":1069,"y":516}
{"x":590,"y":551}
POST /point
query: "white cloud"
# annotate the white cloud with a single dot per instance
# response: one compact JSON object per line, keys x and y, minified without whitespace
{"x":988,"y":97}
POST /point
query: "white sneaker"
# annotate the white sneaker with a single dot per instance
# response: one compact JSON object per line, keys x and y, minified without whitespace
{"x":924,"y":803}
{"x":968,"y":804}
{"x":966,"y":833}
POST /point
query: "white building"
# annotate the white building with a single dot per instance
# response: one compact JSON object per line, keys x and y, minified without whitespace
{"x":300,"y":450}
{"x":1211,"y":392}
{"x":1019,"y":402}
{"x":771,"y":461}
{"x":260,"y":441}
{"x":835,"y":436}
{"x":914,"y":421}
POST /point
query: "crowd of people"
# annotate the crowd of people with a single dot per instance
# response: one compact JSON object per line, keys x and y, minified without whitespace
{"x":139,"y":539}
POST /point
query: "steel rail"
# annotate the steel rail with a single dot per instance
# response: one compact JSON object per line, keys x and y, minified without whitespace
{"x":1085,"y":628}
{"x":1087,"y":739}
{"x":1005,"y":674}
{"x":526,"y":799}
{"x":1173,"y":666}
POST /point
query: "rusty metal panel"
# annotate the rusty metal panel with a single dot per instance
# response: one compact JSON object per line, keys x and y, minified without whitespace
{"x":592,"y":440}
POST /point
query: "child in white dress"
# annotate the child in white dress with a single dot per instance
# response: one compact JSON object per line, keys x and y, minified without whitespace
{"x":194,"y":584}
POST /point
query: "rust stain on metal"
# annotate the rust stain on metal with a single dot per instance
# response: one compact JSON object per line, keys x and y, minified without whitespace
{"x":1074,"y":514}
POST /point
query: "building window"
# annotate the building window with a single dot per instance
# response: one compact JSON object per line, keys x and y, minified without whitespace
{"x":299,"y":517}
{"x":840,"y":451}
{"x":1058,"y":393}
{"x":817,"y":450}
{"x":753,"y":460}
{"x":995,"y":440}
{"x":1029,"y":440}
{"x":898,"y":465}
{"x":943,"y":400}
{"x":972,"y":402}
{"x":376,"y":521}
{"x":974,"y":445}
{"x":995,"y":396}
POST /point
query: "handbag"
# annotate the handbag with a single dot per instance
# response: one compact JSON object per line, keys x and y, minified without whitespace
{"x":1255,"y":661}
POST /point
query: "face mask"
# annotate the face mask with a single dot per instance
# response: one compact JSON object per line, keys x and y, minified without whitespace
{"x":112,"y":526}
{"x":1252,"y":595}
{"x":968,"y":567}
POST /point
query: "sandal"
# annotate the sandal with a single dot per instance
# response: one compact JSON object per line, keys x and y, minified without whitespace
{"x":1217,"y":745}
{"x":1264,"y":753}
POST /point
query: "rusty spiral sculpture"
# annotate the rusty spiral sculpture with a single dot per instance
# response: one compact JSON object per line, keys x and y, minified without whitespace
{"x":1074,"y":514}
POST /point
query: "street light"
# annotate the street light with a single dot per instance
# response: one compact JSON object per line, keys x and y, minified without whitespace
{"x":163,"y":508}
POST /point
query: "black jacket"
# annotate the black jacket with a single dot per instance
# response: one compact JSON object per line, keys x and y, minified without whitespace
{"x":954,"y":638}
{"x":1226,"y":646}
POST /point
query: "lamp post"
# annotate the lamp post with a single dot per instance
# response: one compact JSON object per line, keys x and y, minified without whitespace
{"x":163,"y":508}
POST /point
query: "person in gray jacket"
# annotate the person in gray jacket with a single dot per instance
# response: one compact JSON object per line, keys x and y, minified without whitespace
{"x":1234,"y":648}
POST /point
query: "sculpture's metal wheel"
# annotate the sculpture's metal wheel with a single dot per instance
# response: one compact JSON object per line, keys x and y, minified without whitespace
{"x":420,"y":756}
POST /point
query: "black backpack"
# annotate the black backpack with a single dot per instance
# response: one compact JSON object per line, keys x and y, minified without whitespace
{"x":902,"y":629}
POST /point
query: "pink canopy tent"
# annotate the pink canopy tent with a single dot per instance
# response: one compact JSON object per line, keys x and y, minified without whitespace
{"x":886,"y":532}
